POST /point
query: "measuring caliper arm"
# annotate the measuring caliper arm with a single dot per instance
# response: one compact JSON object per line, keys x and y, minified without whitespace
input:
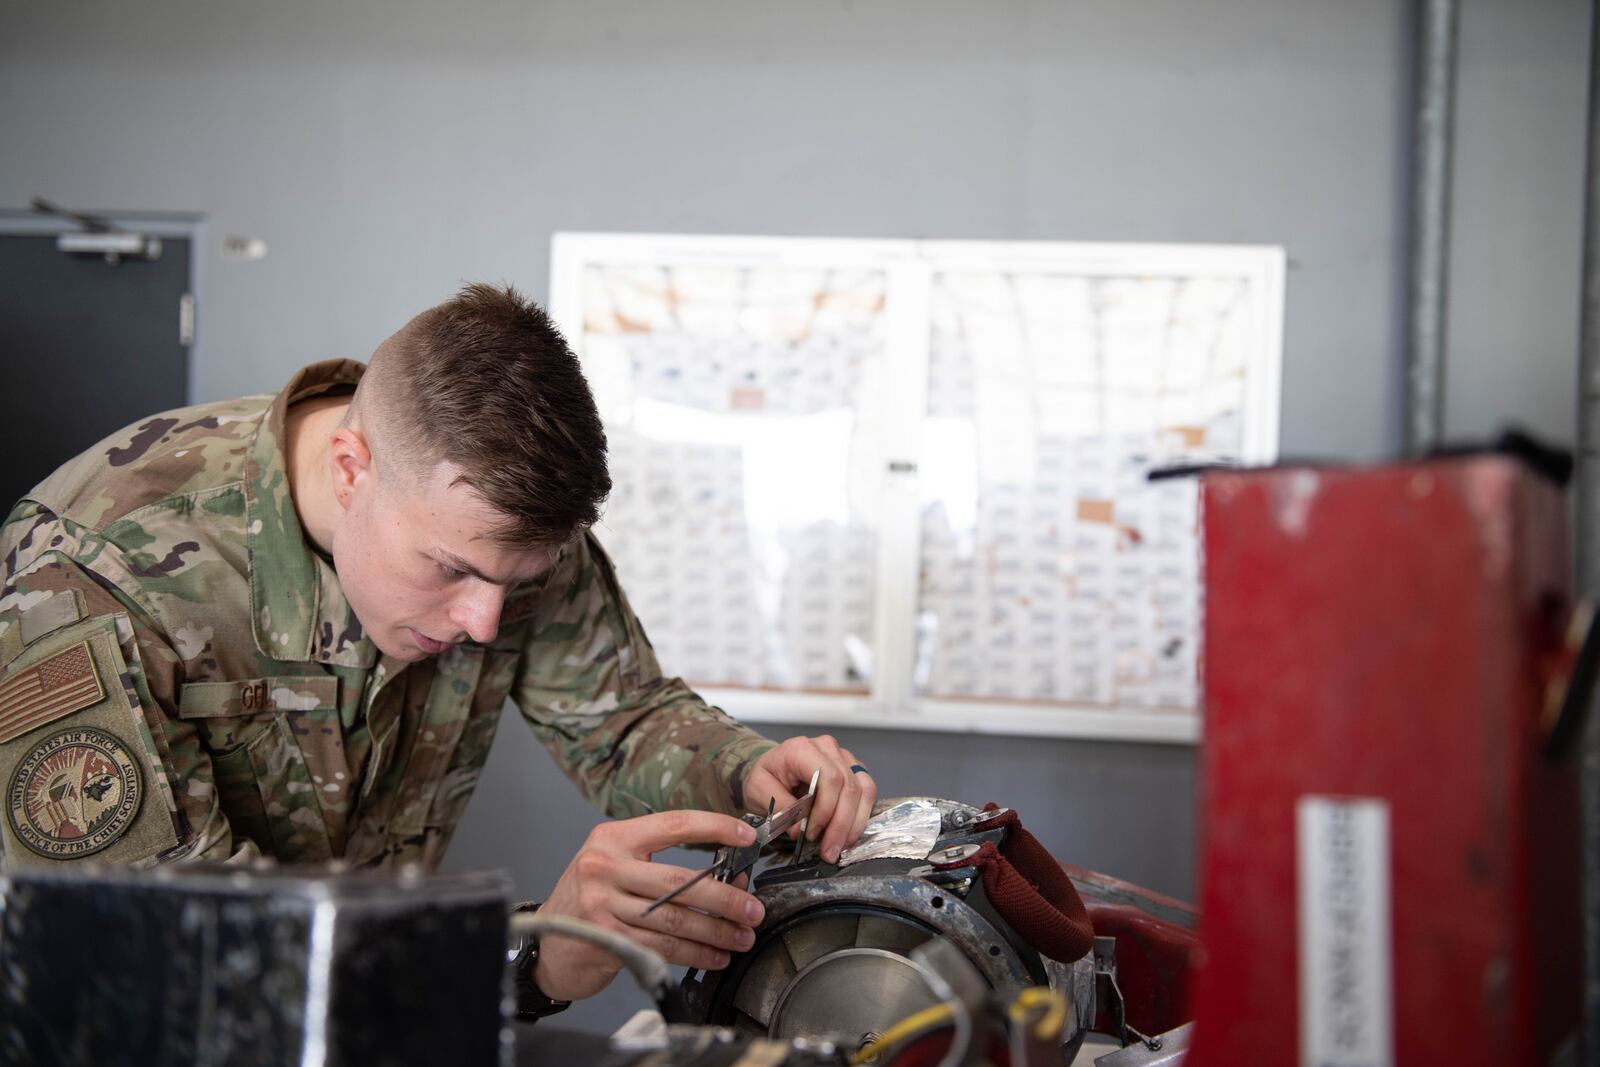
{"x":731,"y":862}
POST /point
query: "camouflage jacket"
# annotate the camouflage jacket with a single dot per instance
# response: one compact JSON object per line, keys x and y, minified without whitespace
{"x":181,"y":676}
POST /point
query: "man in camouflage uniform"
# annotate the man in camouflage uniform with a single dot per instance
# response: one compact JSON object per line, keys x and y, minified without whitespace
{"x":286,"y":626}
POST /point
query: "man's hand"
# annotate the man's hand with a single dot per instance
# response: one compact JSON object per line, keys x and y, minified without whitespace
{"x":611,"y":881}
{"x":844,"y":797}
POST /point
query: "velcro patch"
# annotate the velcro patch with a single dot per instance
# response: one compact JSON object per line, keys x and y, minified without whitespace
{"x":247,"y":696}
{"x":74,"y":794}
{"x":79,"y":788}
{"x":10,"y":638}
{"x":60,"y":609}
{"x":55,"y":686}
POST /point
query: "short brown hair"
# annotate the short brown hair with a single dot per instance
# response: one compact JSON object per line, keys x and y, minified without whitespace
{"x":486,"y":382}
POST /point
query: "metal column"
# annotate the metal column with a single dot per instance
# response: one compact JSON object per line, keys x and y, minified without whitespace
{"x":1430,"y":224}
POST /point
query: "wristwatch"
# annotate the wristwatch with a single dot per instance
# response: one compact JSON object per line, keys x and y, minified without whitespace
{"x":523,"y":957}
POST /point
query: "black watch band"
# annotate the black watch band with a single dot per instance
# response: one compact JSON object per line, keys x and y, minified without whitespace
{"x":531,"y":1001}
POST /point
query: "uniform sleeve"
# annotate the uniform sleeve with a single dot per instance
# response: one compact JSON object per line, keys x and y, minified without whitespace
{"x":50,"y":561}
{"x":589,"y":684}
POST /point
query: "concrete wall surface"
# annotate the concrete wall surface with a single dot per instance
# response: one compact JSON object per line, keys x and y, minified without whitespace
{"x":388,"y":150}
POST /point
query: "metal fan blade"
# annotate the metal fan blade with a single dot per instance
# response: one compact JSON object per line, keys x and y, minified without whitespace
{"x":761,"y":983}
{"x":880,"y":931}
{"x":852,"y":992}
{"x":807,"y":941}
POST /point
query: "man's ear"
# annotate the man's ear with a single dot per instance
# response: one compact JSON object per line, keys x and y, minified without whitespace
{"x":349,"y":463}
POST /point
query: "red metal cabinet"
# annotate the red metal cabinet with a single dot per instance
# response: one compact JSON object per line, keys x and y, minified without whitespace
{"x":1381,"y":824}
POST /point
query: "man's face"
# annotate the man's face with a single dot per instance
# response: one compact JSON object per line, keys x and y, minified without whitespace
{"x":418,"y":567}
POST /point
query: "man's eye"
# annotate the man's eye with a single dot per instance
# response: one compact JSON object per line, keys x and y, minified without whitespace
{"x":448,"y":571}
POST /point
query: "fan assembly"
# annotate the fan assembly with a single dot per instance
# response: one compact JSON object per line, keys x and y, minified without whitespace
{"x":837,"y":959}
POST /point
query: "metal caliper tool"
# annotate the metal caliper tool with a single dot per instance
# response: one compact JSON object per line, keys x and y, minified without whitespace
{"x":731,"y":862}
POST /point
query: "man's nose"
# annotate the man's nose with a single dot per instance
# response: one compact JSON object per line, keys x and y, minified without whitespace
{"x":477,"y":610}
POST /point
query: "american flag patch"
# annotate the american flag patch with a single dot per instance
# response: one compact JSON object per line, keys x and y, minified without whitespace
{"x":55,"y":686}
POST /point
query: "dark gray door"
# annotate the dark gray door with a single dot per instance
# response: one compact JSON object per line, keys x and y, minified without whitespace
{"x":85,"y":349}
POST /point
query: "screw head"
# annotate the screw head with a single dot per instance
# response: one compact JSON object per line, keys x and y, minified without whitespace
{"x":956,"y":852}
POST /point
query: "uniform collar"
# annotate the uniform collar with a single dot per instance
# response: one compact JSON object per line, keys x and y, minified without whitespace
{"x":298,"y":611}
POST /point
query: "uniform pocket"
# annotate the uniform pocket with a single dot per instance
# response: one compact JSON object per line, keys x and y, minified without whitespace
{"x":241,"y":799}
{"x":264,"y":784}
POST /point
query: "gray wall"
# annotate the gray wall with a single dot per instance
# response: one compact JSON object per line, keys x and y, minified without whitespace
{"x":1513,"y":328}
{"x":387,"y":151}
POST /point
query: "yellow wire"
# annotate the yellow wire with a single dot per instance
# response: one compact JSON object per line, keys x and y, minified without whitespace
{"x":910,"y":1024}
{"x":1045,"y":1028}
{"x":1054,"y":1018}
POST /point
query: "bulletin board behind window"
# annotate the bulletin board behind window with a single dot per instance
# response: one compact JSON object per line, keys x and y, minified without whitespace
{"x":899,"y":483}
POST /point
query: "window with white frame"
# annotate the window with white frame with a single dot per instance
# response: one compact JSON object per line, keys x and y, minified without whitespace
{"x":900,"y":483}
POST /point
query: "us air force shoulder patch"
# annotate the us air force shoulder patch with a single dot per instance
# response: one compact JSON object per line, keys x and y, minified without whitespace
{"x":74,"y":793}
{"x":77,"y":755}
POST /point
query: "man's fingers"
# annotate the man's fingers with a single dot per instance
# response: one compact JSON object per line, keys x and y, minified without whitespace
{"x":648,"y":834}
{"x":682,"y":953}
{"x":679,"y":951}
{"x":842,"y":818}
{"x":612,"y":881}
{"x":821,"y":754}
{"x":763,"y":788}
{"x":823,"y":803}
{"x":653,"y":881}
{"x":843,"y":801}
{"x":867,"y":798}
{"x":687,"y":924}
{"x":774,"y":794}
